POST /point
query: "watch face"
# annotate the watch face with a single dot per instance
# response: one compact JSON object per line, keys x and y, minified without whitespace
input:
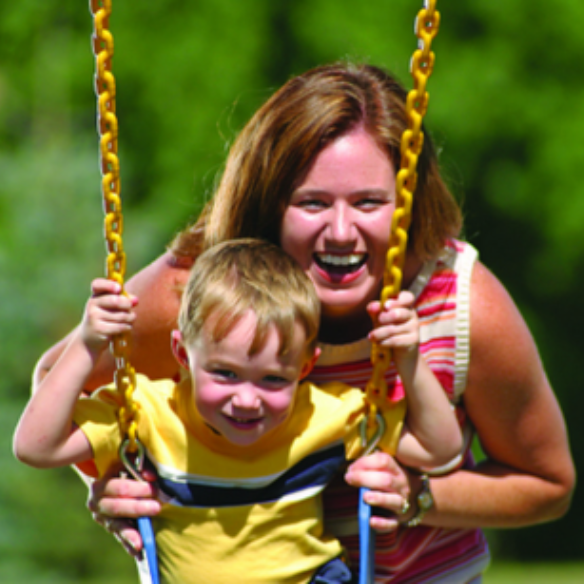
{"x":425,"y":501}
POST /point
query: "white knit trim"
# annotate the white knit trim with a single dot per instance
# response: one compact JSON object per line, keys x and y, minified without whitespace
{"x":423,"y":277}
{"x":463,"y":265}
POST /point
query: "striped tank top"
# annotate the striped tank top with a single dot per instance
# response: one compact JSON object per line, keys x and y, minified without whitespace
{"x":420,"y":554}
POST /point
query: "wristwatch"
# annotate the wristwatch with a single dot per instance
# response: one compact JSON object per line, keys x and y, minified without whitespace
{"x":424,"y":500}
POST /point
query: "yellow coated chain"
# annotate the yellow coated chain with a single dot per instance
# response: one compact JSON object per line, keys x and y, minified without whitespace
{"x":422,"y":63}
{"x":105,"y":89}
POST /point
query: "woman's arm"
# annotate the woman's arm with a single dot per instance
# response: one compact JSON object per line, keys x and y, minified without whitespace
{"x":528,"y":476}
{"x":158,"y":286}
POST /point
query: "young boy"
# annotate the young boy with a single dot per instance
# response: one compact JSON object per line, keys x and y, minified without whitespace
{"x":242,"y":449}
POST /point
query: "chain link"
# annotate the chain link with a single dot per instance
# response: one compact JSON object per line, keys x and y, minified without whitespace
{"x":421,"y":65}
{"x":107,"y":125}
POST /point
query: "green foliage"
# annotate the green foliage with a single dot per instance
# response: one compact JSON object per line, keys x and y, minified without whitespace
{"x":506,"y":110}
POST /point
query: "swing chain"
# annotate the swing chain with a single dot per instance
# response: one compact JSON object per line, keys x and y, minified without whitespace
{"x":107,"y":126}
{"x":412,"y":141}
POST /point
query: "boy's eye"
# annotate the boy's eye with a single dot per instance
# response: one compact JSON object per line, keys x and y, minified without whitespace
{"x":225,"y":374}
{"x":275,"y":380}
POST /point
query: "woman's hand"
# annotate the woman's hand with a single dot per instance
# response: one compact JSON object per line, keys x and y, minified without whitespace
{"x":115,"y":501}
{"x":389,"y":486}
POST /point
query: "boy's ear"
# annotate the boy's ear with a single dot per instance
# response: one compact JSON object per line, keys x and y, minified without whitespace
{"x":310,"y":363}
{"x":178,"y":348}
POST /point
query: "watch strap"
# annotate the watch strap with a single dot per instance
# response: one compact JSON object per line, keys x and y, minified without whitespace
{"x":424,"y":501}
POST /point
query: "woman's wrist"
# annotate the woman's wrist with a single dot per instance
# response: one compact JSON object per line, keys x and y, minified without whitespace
{"x":420,"y":501}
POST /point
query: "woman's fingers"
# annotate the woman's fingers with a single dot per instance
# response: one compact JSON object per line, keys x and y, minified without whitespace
{"x":379,"y":472}
{"x":383,"y":524}
{"x":129,"y":536}
{"x":127,"y":498}
{"x":116,"y":497}
{"x":388,"y":488}
{"x":124,"y":530}
{"x":114,"y":501}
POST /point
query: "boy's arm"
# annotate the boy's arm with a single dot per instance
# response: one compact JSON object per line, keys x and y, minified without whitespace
{"x":158,"y":287}
{"x":431,"y":435}
{"x":46,"y":436}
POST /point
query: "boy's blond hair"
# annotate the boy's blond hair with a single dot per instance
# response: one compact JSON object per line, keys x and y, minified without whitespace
{"x":240,"y":275}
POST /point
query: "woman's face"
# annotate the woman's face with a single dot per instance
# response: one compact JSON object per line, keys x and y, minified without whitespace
{"x":338,"y":220}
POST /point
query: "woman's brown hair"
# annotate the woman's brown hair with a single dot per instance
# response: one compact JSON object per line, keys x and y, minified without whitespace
{"x":276,"y":148}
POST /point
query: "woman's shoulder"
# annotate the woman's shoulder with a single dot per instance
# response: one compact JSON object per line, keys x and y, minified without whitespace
{"x":501,"y":342}
{"x":489,"y":297}
{"x":458,"y":255}
{"x":167,"y":270}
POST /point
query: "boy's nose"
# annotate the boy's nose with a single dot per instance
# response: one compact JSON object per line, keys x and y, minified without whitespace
{"x":246,"y":397}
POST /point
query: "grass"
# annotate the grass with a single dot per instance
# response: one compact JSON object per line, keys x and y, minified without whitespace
{"x":498,"y":573}
{"x":535,"y":573}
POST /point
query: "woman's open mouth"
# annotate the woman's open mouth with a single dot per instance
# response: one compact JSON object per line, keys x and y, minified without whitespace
{"x":337,"y":264}
{"x":340,"y":268}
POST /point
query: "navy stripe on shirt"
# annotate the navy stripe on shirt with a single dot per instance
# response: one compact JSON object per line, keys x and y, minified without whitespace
{"x":316,"y":470}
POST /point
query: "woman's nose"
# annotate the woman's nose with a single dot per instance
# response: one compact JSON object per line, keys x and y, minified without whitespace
{"x":340,"y":225}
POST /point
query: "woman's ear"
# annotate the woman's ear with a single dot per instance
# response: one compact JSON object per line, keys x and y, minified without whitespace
{"x":310,"y":363}
{"x":178,"y":349}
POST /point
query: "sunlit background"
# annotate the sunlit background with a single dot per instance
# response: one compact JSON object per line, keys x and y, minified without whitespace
{"x":506,"y":111}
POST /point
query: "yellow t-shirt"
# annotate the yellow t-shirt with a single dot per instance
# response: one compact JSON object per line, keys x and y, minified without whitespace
{"x":246,"y":514}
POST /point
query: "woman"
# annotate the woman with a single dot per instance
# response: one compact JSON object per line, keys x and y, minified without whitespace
{"x":314,"y":171}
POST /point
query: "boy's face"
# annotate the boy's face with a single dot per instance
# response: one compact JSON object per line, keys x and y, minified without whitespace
{"x":244,"y":397}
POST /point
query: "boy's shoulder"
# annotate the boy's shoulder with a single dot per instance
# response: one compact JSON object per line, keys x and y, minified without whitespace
{"x":333,"y":391}
{"x":145,"y":389}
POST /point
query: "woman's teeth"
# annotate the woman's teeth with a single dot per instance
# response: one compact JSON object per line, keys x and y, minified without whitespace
{"x":342,"y":261}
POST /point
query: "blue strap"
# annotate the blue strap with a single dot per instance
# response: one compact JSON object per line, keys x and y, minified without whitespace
{"x":147,"y":533}
{"x":366,"y":542}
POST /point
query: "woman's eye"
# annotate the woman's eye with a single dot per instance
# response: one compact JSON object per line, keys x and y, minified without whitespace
{"x":369,"y":203}
{"x":312,"y":204}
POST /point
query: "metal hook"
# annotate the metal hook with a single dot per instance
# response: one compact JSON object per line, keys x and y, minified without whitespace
{"x":370,"y":445}
{"x":134,"y":468}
